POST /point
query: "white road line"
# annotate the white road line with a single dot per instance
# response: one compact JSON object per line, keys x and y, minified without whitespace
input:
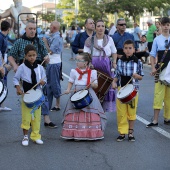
{"x":158,"y":129}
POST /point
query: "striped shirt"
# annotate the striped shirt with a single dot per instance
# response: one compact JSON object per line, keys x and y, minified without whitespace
{"x":125,"y":68}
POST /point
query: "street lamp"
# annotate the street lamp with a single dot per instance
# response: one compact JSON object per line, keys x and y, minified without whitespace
{"x":76,"y":9}
{"x":55,"y":11}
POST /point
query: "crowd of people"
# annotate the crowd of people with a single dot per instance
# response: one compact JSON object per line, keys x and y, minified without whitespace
{"x":37,"y":63}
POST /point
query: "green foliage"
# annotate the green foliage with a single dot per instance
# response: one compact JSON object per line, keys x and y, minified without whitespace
{"x":48,"y":17}
{"x":98,"y":9}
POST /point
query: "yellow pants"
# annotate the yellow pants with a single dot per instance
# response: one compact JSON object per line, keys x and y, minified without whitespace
{"x":162,"y":94}
{"x":124,"y":114}
{"x":27,"y":119}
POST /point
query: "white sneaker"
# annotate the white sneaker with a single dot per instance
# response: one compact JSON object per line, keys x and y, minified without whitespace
{"x":5,"y":108}
{"x":25,"y":141}
{"x":39,"y":141}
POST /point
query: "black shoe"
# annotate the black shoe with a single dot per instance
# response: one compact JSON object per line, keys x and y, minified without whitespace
{"x":167,"y":122}
{"x":50,"y":125}
{"x":152,"y":125}
{"x":120,"y":138}
{"x":131,"y":138}
{"x":55,"y":109}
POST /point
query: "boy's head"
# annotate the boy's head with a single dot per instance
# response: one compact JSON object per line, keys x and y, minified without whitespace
{"x":5,"y":26}
{"x":143,"y":38}
{"x":128,"y":48}
{"x":30,"y":53}
{"x":165,"y":20}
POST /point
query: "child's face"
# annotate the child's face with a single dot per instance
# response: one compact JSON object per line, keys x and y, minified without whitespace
{"x":143,"y":39}
{"x":128,"y":49}
{"x":165,"y":27}
{"x":31,"y":56}
{"x":80,"y":62}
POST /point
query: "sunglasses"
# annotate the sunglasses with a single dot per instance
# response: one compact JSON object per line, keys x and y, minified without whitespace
{"x":122,"y":24}
{"x":78,"y":61}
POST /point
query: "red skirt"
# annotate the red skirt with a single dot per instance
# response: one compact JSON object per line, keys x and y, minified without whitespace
{"x":82,"y":126}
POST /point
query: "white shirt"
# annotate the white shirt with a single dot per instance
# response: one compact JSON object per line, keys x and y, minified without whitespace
{"x":109,"y":48}
{"x":143,"y":46}
{"x":74,"y":75}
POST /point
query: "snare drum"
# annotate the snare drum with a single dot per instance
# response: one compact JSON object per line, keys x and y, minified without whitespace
{"x":34,"y":98}
{"x":81,"y":99}
{"x":104,"y":83}
{"x":164,"y":77}
{"x":3,"y":92}
{"x":127,"y":94}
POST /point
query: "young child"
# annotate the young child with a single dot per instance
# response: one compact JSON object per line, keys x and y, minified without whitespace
{"x":143,"y":48}
{"x":126,"y":113}
{"x":30,"y":73}
{"x":87,"y":123}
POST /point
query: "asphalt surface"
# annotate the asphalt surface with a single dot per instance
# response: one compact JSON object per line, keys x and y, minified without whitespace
{"x":150,"y":151}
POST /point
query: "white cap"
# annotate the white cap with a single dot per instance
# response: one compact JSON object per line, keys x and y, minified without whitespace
{"x":149,"y":21}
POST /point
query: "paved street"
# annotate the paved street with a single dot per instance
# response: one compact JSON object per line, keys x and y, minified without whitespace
{"x":150,"y":151}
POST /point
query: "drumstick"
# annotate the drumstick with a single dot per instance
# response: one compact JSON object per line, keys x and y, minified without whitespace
{"x":87,"y":86}
{"x":157,"y":69}
{"x":37,"y":84}
{"x":43,"y":62}
{"x":67,"y":93}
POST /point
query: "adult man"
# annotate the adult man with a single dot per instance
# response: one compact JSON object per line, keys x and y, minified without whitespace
{"x":78,"y":43}
{"x":54,"y":45}
{"x":150,"y":34}
{"x":15,"y":10}
{"x":5,"y":28}
{"x":161,"y":91}
{"x":121,"y":36}
{"x":137,"y":34}
{"x":17,"y":53}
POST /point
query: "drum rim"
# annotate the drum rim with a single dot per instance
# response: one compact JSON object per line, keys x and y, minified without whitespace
{"x":5,"y":88}
{"x":77,"y":92}
{"x":127,"y":94}
{"x":34,"y":100}
{"x":87,"y":105}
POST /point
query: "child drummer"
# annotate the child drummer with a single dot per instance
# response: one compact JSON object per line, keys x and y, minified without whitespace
{"x":89,"y":122}
{"x":125,"y":71}
{"x":30,"y":73}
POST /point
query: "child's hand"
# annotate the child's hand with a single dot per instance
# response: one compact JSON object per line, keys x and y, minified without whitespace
{"x":42,"y":82}
{"x":135,"y":76}
{"x":67,"y":91}
{"x":8,"y":67}
{"x":2,"y":71}
{"x":19,"y":91}
{"x":114,"y":85}
{"x":94,"y":85}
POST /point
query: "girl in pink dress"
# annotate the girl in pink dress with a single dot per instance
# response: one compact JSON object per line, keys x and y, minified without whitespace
{"x":87,"y":123}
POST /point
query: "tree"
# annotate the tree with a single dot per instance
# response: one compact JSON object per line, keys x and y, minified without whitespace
{"x":133,"y":7}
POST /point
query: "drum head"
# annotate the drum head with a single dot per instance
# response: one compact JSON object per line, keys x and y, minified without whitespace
{"x":125,"y":91}
{"x":79,"y":95}
{"x":32,"y":96}
{"x":3,"y":95}
{"x":1,"y":87}
{"x":162,"y":75}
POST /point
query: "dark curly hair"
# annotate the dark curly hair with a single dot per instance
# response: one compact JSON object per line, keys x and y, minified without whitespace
{"x":28,"y":48}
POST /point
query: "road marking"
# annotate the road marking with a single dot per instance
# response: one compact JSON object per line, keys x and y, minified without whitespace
{"x":65,"y":75}
{"x":158,"y":129}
